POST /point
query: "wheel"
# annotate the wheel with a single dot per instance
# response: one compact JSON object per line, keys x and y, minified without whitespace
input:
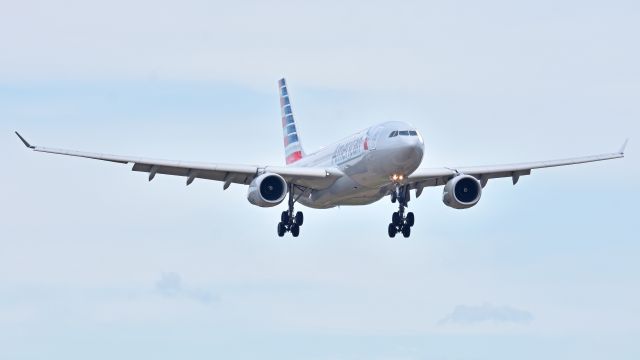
{"x":392,"y":231}
{"x":410,"y":219}
{"x":299,"y":218}
{"x":395,"y":219}
{"x":284,"y":217}
{"x":406,"y":231}
{"x":281,"y":229}
{"x":393,"y":197}
{"x":295,"y":230}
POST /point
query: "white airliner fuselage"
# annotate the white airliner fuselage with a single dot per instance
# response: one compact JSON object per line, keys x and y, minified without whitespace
{"x":369,"y":160}
{"x":380,"y":161}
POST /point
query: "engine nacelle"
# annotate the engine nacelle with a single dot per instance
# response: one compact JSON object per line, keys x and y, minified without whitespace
{"x":267,"y":190}
{"x":462,"y":192}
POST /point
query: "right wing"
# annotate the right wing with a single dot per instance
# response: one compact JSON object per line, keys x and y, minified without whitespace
{"x":422,"y":178}
{"x":312,"y":178}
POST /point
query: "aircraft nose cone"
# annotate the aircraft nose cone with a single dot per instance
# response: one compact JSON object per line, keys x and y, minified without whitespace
{"x":411,"y":153}
{"x":413,"y":147}
{"x":419,"y":151}
{"x":415,"y":153}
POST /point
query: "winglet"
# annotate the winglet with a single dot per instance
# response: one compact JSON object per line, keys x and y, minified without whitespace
{"x":25,"y":142}
{"x":624,"y":146}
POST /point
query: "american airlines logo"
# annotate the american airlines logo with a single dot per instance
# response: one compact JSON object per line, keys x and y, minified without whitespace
{"x":350,"y":149}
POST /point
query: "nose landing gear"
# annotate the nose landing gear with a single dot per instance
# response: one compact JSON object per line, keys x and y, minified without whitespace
{"x":399,"y":222}
{"x":290,"y":220}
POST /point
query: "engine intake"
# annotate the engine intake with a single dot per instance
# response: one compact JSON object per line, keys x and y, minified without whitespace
{"x":267,"y":190}
{"x":462,"y":192}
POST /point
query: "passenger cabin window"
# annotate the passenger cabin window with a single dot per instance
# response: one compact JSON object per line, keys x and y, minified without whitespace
{"x":404,"y":133}
{"x":393,"y":133}
{"x":413,"y":133}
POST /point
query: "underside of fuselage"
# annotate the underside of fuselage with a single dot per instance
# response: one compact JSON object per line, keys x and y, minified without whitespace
{"x":343,"y":195}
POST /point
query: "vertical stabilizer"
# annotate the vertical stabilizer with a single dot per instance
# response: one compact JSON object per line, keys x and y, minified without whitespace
{"x":292,"y":147}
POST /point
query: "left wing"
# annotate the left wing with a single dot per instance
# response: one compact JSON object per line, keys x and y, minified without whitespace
{"x":422,"y":178}
{"x":312,"y":178}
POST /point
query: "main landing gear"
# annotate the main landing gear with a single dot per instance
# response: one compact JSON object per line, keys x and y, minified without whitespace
{"x":399,"y":222}
{"x":290,"y":220}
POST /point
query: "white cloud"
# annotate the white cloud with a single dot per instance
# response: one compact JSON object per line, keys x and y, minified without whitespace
{"x":171,"y":285}
{"x":466,"y":314}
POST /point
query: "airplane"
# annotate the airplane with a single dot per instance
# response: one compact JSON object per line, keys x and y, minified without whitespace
{"x":379,"y":161}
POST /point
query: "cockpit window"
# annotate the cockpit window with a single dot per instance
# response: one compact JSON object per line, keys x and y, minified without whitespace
{"x":403,"y":133}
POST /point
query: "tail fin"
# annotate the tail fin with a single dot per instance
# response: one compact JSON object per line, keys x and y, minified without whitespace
{"x":292,"y":147}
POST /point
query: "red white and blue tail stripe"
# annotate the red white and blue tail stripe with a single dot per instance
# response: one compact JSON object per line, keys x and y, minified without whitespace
{"x":292,"y":147}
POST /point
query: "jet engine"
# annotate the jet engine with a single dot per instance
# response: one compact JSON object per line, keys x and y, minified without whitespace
{"x":462,"y":192}
{"x":267,"y":190}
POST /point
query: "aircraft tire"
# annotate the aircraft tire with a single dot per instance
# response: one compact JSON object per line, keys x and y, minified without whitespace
{"x":395,"y":219}
{"x":392,"y":230}
{"x":295,"y":230}
{"x":411,"y":219}
{"x":406,"y":231}
{"x":284,"y":217}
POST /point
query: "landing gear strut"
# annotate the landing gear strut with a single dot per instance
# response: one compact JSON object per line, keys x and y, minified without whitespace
{"x":290,"y":220}
{"x":399,"y":222}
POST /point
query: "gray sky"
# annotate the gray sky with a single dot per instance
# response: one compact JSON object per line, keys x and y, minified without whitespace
{"x":97,"y":262}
